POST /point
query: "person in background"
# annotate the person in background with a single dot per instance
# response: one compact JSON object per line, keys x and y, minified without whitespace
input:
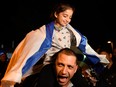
{"x":89,"y":74}
{"x":44,"y":42}
{"x":114,"y":53}
{"x":107,"y":78}
{"x":3,"y":63}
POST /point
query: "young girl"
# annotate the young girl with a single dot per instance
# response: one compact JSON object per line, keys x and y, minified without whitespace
{"x":46,"y":41}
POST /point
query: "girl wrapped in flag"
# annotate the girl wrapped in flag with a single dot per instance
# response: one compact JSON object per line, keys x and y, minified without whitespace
{"x":47,"y":40}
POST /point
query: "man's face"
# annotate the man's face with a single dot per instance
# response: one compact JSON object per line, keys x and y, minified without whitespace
{"x":66,"y":67}
{"x":3,"y":57}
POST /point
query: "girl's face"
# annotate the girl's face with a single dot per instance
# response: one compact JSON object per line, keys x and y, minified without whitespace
{"x":63,"y":18}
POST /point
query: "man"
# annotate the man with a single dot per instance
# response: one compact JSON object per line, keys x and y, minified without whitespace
{"x":3,"y":63}
{"x":60,"y":72}
{"x":107,"y":78}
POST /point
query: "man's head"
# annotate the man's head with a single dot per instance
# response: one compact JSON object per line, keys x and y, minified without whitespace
{"x":3,"y":56}
{"x":65,"y":66}
{"x":106,"y":50}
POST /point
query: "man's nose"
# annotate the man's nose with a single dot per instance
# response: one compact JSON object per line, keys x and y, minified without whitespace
{"x":64,"y":70}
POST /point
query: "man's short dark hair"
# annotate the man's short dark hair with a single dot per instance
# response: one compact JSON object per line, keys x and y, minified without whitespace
{"x":66,"y":51}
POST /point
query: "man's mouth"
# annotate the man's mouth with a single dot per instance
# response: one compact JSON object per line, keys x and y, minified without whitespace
{"x":62,"y":79}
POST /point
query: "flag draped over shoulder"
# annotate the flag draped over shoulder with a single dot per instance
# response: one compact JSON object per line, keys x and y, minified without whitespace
{"x":28,"y":52}
{"x":85,"y":48}
{"x":34,"y":46}
{"x":90,"y":53}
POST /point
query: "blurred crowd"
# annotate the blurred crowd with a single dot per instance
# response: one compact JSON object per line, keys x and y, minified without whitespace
{"x":102,"y":77}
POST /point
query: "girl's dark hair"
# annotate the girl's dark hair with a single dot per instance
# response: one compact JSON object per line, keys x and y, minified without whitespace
{"x":60,"y":7}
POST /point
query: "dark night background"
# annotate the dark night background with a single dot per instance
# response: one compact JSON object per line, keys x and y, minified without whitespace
{"x":93,"y":18}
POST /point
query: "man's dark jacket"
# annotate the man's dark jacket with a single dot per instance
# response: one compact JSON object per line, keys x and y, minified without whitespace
{"x":46,"y":78}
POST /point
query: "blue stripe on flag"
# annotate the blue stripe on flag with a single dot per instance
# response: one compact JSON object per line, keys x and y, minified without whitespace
{"x":44,"y":47}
